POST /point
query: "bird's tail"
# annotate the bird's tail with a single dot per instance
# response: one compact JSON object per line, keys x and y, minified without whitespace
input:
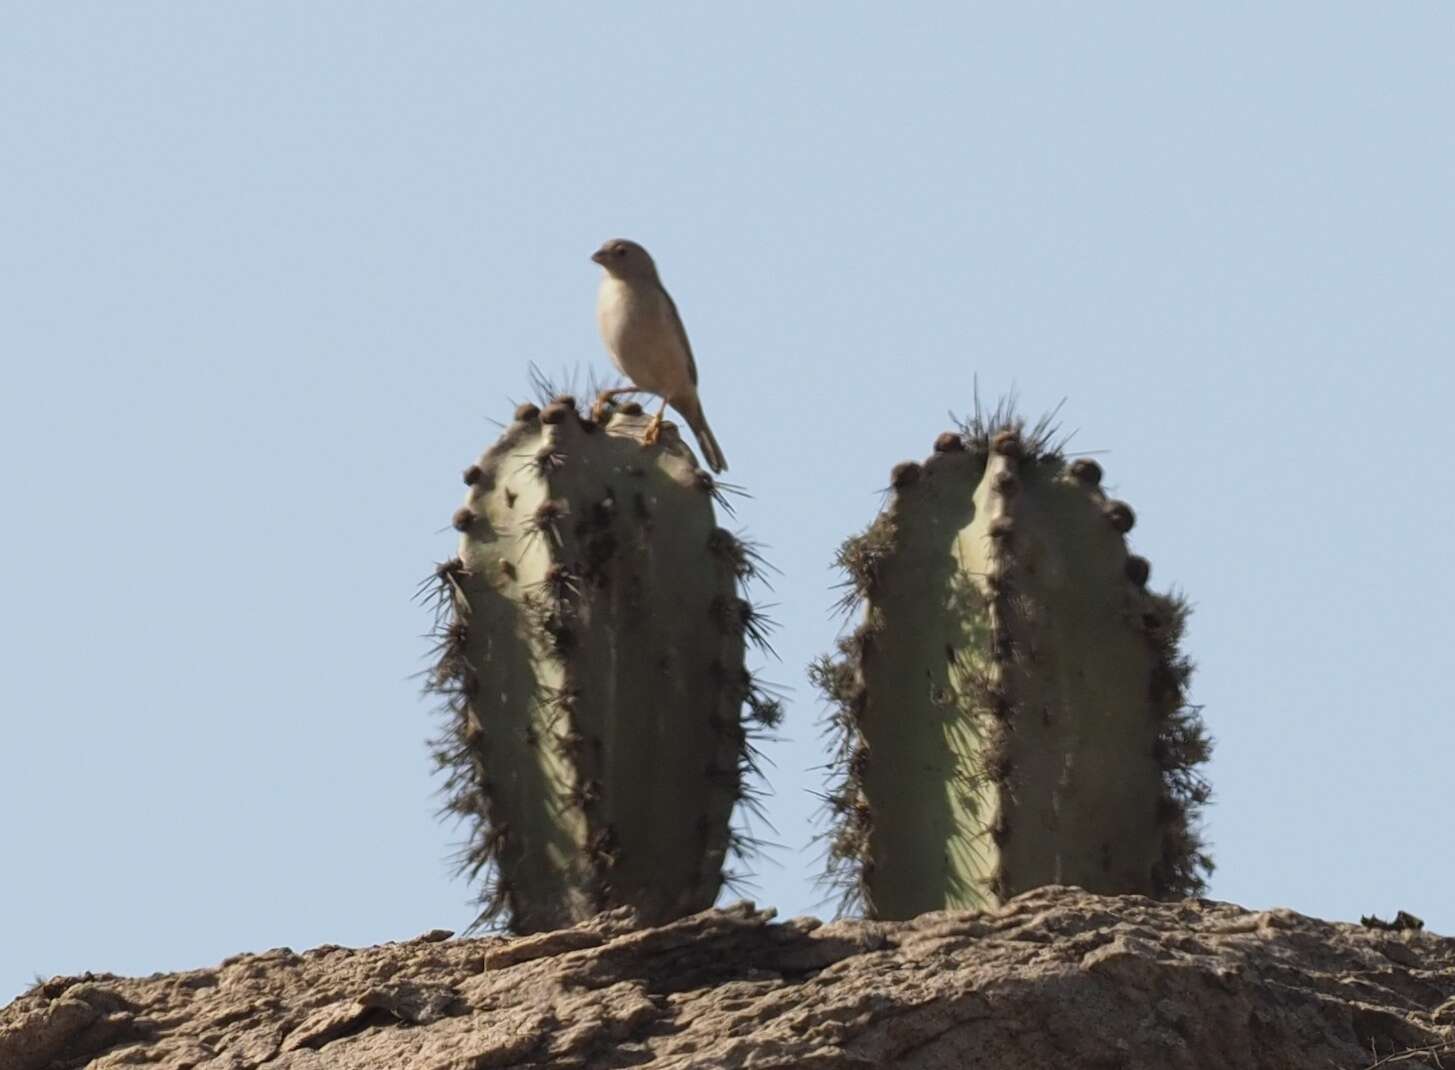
{"x":706,"y":440}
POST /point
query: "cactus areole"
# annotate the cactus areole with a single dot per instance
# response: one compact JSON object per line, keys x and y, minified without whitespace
{"x":1011,"y":710}
{"x":591,"y":637}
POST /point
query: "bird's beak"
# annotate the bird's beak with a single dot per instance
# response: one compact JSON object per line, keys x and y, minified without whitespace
{"x":598,"y":257}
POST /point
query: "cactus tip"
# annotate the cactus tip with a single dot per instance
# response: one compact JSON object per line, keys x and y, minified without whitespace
{"x":905,"y":474}
{"x":1008,"y":443}
{"x":546,"y":514}
{"x":1086,"y":471}
{"x":1006,"y":484}
{"x":1121,"y":516}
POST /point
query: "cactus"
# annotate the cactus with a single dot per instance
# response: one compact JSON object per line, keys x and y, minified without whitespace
{"x":591,"y":652}
{"x":1011,"y":711}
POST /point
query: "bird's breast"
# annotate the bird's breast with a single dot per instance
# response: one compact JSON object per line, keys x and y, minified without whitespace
{"x":613,"y":309}
{"x":638,"y":334}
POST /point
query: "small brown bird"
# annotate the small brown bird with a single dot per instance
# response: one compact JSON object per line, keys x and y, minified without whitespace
{"x":647,"y":342}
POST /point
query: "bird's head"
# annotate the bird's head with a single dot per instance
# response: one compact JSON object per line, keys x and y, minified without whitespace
{"x":625,"y":259}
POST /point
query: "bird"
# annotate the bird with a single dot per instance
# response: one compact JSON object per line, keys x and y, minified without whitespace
{"x":647,"y":342}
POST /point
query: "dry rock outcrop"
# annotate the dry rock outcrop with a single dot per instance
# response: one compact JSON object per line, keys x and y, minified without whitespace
{"x":1056,"y":978}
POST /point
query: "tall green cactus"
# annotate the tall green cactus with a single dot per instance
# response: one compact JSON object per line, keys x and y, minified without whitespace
{"x":1011,"y":710}
{"x":592,"y":636}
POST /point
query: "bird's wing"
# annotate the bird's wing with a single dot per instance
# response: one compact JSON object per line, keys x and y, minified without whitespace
{"x":681,"y":336}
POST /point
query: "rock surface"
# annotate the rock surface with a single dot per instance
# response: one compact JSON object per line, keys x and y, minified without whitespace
{"x":1056,"y":978}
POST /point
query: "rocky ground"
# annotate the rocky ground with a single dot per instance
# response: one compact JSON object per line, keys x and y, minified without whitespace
{"x":1056,"y":978}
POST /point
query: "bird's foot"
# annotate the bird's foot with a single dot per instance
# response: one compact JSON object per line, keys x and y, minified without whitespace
{"x":599,"y":407}
{"x":653,"y":432}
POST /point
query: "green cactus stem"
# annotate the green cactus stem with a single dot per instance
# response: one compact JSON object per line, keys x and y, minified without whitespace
{"x":591,"y":648}
{"x":1011,"y":709}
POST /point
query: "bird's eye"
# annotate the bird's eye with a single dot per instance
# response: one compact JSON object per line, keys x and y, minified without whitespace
{"x":620,"y":250}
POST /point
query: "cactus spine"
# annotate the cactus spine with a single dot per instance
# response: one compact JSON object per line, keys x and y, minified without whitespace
{"x":592,"y":635}
{"x":1011,"y":709}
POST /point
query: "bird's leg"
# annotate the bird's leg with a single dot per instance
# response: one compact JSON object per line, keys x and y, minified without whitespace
{"x":606,"y":397}
{"x":654,"y":429}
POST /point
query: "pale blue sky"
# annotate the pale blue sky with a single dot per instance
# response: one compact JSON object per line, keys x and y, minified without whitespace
{"x":269,"y":270}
